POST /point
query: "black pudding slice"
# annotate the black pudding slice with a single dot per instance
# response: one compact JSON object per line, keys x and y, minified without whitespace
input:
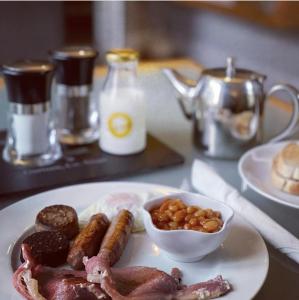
{"x":61,"y":218}
{"x":49,"y":248}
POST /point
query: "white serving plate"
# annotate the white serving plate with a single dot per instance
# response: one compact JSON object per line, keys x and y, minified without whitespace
{"x":242,"y":258}
{"x":255,"y":171}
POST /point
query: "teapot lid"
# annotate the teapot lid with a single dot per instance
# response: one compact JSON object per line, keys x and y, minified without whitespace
{"x":232,"y":74}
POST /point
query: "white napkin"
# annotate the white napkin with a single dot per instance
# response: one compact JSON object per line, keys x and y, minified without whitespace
{"x":207,"y":181}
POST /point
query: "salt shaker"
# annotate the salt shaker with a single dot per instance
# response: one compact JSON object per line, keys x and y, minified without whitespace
{"x":76,"y":109}
{"x":31,"y":137}
{"x":122,"y":105}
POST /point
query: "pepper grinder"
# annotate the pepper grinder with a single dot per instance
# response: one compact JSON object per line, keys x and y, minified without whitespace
{"x":75,"y":107}
{"x":31,"y":137}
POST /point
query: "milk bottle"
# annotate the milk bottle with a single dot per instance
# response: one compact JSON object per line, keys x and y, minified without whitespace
{"x":122,"y":106}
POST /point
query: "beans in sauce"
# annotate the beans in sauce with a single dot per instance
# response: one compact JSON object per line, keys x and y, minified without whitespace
{"x":174,"y":214}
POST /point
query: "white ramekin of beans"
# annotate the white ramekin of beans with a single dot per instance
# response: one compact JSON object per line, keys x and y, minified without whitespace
{"x":187,"y":226}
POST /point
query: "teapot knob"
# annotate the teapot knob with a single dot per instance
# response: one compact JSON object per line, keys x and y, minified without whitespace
{"x":230,"y":67}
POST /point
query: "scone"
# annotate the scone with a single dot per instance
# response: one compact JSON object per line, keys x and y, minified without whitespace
{"x":285,"y":169}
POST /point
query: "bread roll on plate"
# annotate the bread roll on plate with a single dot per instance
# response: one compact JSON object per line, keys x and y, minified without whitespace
{"x":285,"y":169}
{"x":287,"y":164}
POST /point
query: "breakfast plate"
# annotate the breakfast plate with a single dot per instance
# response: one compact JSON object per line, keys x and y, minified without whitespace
{"x":242,"y":259}
{"x":255,"y":171}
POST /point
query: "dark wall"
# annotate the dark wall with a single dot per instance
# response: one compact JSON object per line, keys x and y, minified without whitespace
{"x":165,"y":29}
{"x":30,"y":29}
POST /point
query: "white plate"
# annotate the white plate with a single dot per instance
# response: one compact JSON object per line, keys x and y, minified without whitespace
{"x":255,"y":170}
{"x":242,"y":259}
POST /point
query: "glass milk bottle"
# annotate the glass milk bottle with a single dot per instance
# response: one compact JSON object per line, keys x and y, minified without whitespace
{"x":122,"y":105}
{"x":31,"y":137}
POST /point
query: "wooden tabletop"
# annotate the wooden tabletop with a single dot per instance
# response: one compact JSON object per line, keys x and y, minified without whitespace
{"x":156,"y":65}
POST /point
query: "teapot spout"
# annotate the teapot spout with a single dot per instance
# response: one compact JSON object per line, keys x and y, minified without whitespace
{"x":187,"y":88}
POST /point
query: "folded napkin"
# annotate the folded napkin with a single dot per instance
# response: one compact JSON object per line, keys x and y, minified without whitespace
{"x":208,"y":182}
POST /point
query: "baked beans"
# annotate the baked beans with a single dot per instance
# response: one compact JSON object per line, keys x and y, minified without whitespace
{"x":174,"y":214}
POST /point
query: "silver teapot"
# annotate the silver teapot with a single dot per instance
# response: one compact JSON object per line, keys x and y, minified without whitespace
{"x":227,"y":108}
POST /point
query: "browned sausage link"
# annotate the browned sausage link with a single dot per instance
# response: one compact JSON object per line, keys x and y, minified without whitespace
{"x":89,"y":240}
{"x":117,"y":236}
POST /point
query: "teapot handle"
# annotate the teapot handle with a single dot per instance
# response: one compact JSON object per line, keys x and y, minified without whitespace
{"x":294,"y":94}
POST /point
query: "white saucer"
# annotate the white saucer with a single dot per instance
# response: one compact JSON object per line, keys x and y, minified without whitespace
{"x":255,"y":170}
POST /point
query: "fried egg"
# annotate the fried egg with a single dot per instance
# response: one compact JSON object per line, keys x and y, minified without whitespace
{"x":113,"y":203}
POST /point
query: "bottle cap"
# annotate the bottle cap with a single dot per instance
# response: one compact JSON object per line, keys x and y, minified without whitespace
{"x":121,"y":55}
{"x":74,"y":65}
{"x":28,"y":82}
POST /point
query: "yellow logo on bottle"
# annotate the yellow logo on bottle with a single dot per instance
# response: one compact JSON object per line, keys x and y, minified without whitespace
{"x":120,"y":124}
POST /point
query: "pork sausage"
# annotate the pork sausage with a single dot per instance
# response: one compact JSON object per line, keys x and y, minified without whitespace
{"x":89,"y":240}
{"x":117,"y":236}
